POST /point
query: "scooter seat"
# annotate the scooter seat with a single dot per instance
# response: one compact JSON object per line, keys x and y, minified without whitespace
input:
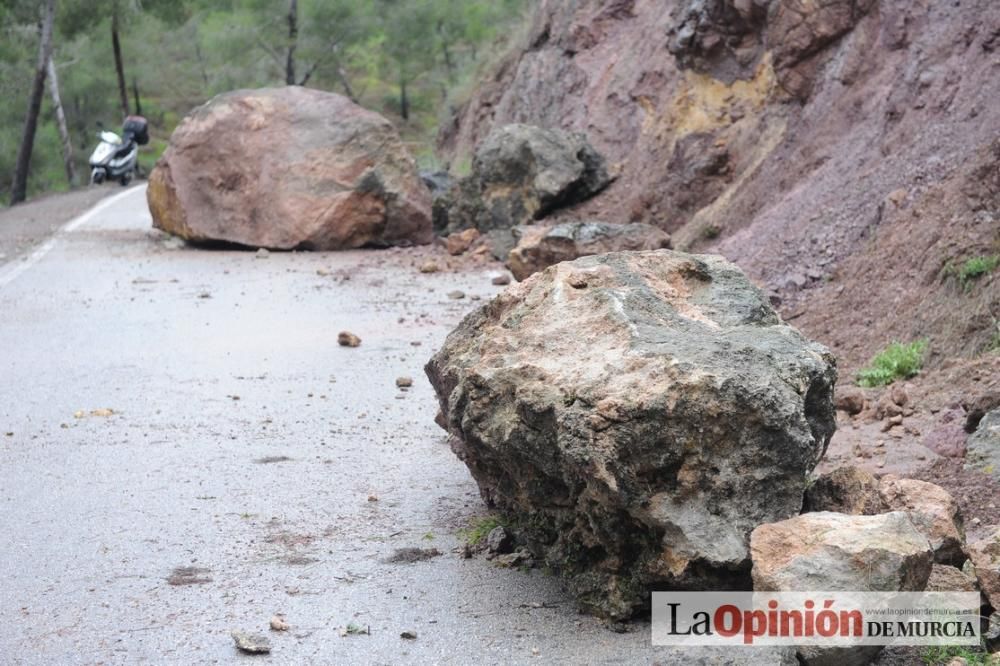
{"x":126,"y":147}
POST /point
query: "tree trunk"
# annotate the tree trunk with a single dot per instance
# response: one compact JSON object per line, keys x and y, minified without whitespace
{"x":135,"y":95}
{"x":19,"y":189}
{"x":119,"y":67}
{"x":293,"y":39}
{"x":404,"y":101}
{"x":67,"y":142}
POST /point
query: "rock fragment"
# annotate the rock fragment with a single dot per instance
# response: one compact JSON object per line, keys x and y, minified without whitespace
{"x":348,"y":339}
{"x":834,"y":551}
{"x":460,"y":241}
{"x":540,"y":246}
{"x":933,"y":512}
{"x":850,"y":490}
{"x":251,"y":643}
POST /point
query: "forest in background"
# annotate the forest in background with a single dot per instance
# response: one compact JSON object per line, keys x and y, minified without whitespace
{"x":408,"y":59}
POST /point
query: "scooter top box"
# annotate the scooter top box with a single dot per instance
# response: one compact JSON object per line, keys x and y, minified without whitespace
{"x":138,"y":128}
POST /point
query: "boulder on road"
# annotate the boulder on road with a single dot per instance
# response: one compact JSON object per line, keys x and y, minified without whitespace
{"x":640,"y":414}
{"x":286,"y":168}
{"x":540,"y":246}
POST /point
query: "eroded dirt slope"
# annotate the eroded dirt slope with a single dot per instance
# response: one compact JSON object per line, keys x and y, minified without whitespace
{"x":843,"y":153}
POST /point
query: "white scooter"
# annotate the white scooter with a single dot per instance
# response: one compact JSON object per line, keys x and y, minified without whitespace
{"x":116,"y":157}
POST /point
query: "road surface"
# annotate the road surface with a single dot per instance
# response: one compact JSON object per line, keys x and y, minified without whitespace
{"x":186,"y":451}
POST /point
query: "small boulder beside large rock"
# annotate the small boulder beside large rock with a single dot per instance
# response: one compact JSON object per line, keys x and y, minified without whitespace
{"x":984,"y":554}
{"x":850,"y":490}
{"x":933,"y":512}
{"x":541,"y":246}
{"x":834,"y":551}
{"x":287,"y":168}
{"x":639,"y":413}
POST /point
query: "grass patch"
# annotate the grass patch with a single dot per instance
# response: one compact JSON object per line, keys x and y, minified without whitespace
{"x":942,"y":654}
{"x":897,"y":361}
{"x":478,"y":530}
{"x":974,"y":268}
{"x":711,"y":231}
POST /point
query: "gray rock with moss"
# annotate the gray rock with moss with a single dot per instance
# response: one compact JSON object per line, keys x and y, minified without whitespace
{"x":638,"y":414}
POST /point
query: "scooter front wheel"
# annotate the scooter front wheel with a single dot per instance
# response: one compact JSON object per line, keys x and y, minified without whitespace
{"x":97,"y":177}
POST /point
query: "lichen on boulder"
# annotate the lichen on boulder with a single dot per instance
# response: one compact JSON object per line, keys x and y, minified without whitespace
{"x":639,"y":414}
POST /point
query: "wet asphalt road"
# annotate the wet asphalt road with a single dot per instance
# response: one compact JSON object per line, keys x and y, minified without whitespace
{"x":213,"y":361}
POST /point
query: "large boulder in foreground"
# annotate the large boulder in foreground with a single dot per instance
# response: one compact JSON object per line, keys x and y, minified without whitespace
{"x":834,"y":551}
{"x":287,"y":168}
{"x":638,"y":414}
{"x":540,"y":246}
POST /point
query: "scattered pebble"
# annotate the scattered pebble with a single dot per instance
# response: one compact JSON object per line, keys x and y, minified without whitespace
{"x":263,"y":253}
{"x":409,"y":635}
{"x":348,"y":339}
{"x":373,"y":498}
{"x":322,"y":272}
{"x":455,"y":295}
{"x":204,"y":294}
{"x":501,"y":280}
{"x":404,"y":382}
{"x":251,"y":643}
{"x":429,"y":267}
{"x":278,"y":623}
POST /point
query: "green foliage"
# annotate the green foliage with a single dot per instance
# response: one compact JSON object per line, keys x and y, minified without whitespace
{"x":180,"y":53}
{"x":897,"y":361}
{"x":939,"y":655}
{"x":710,"y":231}
{"x":480,"y":529}
{"x":975,"y":268}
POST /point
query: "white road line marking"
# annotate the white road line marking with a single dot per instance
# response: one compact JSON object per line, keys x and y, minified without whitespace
{"x":17,"y":267}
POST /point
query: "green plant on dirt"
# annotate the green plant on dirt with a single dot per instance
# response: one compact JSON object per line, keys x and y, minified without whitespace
{"x":711,"y":231}
{"x":479,"y":529}
{"x":897,"y":361}
{"x":936,"y":655}
{"x":973,"y":269}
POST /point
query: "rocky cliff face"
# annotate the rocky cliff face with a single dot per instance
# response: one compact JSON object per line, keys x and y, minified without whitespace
{"x":842,"y":152}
